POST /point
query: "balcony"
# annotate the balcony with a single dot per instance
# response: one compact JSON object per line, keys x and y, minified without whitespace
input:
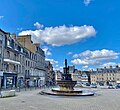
{"x":11,"y":71}
{"x":8,"y":60}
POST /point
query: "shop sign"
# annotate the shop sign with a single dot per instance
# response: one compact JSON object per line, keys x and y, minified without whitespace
{"x":1,"y":73}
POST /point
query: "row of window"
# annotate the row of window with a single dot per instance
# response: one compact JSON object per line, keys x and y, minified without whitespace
{"x":12,"y":68}
{"x":15,"y":46}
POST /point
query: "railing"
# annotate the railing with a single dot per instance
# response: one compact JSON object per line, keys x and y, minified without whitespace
{"x":12,"y":58}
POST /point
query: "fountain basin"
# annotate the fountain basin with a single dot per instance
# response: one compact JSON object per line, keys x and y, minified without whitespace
{"x":75,"y":92}
{"x":66,"y":85}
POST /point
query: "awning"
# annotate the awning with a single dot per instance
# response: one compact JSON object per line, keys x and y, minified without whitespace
{"x":11,"y":61}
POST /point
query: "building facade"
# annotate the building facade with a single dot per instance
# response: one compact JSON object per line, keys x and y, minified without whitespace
{"x":22,"y":62}
{"x":35,"y":63}
{"x":58,"y":75}
{"x":50,"y":76}
{"x":106,"y":76}
{"x":84,"y":78}
{"x":2,"y":41}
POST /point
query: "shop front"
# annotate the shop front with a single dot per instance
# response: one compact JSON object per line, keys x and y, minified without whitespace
{"x":9,"y":80}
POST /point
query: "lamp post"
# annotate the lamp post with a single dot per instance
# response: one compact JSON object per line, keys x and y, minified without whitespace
{"x":35,"y":82}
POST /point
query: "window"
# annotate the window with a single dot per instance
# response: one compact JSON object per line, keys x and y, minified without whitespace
{"x":8,"y":42}
{"x":23,"y":58}
{"x":0,"y":49}
{"x":26,"y":62}
{"x":14,"y":67}
{"x":0,"y":41}
{"x":22,"y":50}
{"x":14,"y":56}
{"x":16,"y":47}
{"x":8,"y":54}
{"x":20,"y":58}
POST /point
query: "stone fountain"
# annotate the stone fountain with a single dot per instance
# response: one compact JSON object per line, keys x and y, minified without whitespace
{"x":66,"y":86}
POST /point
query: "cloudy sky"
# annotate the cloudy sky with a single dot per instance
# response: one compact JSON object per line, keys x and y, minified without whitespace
{"x":86,"y":32}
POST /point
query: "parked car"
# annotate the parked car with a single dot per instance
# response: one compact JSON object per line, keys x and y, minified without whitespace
{"x":117,"y":86}
{"x":87,"y":84}
{"x":78,"y":84}
{"x":93,"y":86}
{"x":110,"y":86}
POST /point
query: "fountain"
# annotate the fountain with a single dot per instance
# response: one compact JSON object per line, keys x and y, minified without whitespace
{"x":66,"y":86}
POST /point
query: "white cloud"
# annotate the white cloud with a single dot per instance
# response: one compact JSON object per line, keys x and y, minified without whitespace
{"x":52,"y":61}
{"x":58,"y":68}
{"x":56,"y":65}
{"x":94,"y":57}
{"x":19,"y":29}
{"x":61,"y":35}
{"x":38,"y":25}
{"x":35,"y":35}
{"x":79,"y":62}
{"x":87,"y":2}
{"x":84,"y":67}
{"x":1,"y":17}
{"x":47,"y":51}
{"x":75,"y":56}
{"x":113,"y":64}
{"x":69,"y":53}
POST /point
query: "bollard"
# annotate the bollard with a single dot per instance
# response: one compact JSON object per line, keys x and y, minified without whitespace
{"x":25,"y":88}
{"x":19,"y":88}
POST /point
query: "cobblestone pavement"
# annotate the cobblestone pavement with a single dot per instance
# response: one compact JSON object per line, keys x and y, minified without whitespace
{"x":104,"y":99}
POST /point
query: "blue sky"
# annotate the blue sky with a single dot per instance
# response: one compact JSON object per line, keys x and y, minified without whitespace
{"x":86,"y":32}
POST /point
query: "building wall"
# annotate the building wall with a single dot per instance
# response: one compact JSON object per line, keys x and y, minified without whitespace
{"x":103,"y":77}
{"x":21,"y":58}
{"x":2,"y":43}
{"x":50,"y":77}
{"x":25,"y":41}
{"x":84,"y":78}
{"x":2,"y":40}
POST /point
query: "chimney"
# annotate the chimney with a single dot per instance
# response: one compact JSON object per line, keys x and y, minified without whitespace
{"x":110,"y":66}
{"x":37,"y":44}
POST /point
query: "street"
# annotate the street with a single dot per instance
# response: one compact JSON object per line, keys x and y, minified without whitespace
{"x":104,"y":99}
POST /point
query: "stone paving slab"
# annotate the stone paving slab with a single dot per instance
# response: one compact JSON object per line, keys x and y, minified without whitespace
{"x":104,"y":99}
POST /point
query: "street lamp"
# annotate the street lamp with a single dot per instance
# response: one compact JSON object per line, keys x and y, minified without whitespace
{"x":35,"y":82}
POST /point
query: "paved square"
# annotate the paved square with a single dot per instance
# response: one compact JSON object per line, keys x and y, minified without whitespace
{"x":105,"y":99}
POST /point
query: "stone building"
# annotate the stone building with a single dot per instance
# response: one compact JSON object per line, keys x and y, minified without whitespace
{"x":50,"y":76}
{"x":106,"y":76}
{"x":58,"y":75}
{"x":21,"y":61}
{"x":76,"y":75}
{"x":2,"y":41}
{"x":35,"y":61}
{"x":11,"y":62}
{"x":84,"y":78}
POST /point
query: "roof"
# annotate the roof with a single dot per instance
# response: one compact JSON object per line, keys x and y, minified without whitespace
{"x":3,"y":31}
